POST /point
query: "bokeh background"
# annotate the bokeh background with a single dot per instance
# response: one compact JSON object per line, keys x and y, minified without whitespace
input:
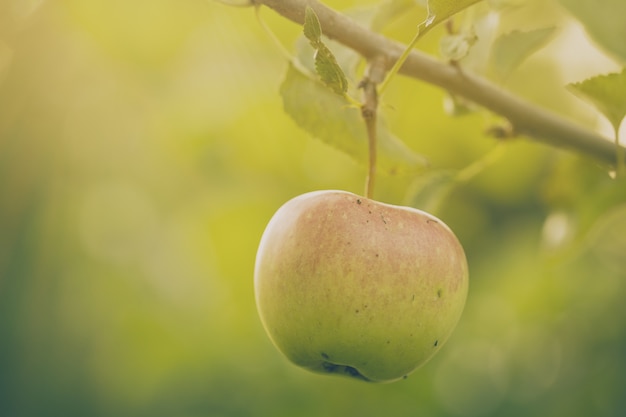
{"x":144,"y":147}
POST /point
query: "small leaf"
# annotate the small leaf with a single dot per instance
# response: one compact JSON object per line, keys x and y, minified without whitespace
{"x":440,"y":10}
{"x":347,"y":59}
{"x":326,"y":65}
{"x":329,"y":118}
{"x":511,"y":49}
{"x":607,"y":93}
{"x":605,"y":22}
{"x":329,"y":71}
{"x":312,"y":28}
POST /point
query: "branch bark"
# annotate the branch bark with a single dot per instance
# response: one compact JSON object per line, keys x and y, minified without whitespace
{"x":526,"y":118}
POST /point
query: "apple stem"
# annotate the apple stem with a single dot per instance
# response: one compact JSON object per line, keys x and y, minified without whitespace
{"x":369,"y":84}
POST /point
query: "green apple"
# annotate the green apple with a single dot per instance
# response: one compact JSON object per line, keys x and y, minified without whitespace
{"x":351,"y":286}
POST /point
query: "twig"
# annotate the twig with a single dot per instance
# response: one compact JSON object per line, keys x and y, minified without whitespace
{"x":375,"y":75}
{"x":526,"y":118}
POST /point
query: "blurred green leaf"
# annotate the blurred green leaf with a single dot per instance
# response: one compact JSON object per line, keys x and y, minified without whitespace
{"x":583,"y":224}
{"x":430,"y":190}
{"x":511,"y":49}
{"x":604,"y":20}
{"x":607,"y":238}
{"x":605,"y":195}
{"x":331,"y":119}
{"x":505,"y":4}
{"x":440,"y":10}
{"x":607,"y":93}
{"x":389,"y":11}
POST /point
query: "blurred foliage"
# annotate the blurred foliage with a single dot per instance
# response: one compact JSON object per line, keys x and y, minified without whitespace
{"x":604,"y":21}
{"x":143,"y":148}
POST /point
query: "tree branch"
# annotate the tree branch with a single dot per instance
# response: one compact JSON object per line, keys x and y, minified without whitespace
{"x":527,"y":119}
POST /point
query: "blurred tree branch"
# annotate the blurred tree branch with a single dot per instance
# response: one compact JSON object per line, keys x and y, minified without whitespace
{"x":526,"y":118}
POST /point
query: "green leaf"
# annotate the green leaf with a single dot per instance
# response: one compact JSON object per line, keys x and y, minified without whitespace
{"x":440,"y":10}
{"x":607,"y":93}
{"x":605,"y":22}
{"x":500,"y":5}
{"x":389,"y":11}
{"x":511,"y":49}
{"x":312,"y":28}
{"x":329,"y":70}
{"x":329,"y":118}
{"x":607,"y":237}
{"x":326,"y":64}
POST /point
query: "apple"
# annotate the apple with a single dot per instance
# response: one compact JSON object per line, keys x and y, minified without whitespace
{"x":351,"y":286}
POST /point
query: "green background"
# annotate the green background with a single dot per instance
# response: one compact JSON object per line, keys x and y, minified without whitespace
{"x":144,"y":147}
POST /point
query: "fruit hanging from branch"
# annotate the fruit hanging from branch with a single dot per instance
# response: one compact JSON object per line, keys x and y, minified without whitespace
{"x":351,"y":286}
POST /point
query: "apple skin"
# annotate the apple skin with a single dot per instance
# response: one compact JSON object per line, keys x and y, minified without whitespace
{"x":351,"y":286}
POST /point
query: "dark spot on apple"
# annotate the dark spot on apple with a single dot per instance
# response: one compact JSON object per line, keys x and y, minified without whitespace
{"x":436,"y":343}
{"x":353,"y":372}
{"x":439,"y":292}
{"x":356,"y":311}
{"x":343,"y":369}
{"x":413,"y":298}
{"x":388,"y":341}
{"x":358,"y":201}
{"x":405,"y":377}
{"x":329,"y":367}
{"x":383,"y":219}
{"x":377,"y":255}
{"x":324,"y":355}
